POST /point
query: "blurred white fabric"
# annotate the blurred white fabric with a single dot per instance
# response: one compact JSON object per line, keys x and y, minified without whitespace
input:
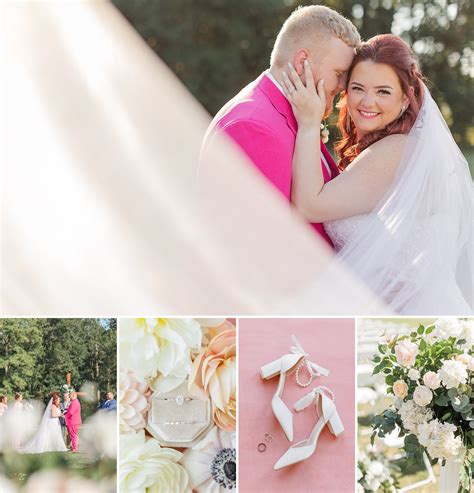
{"x":101,"y":212}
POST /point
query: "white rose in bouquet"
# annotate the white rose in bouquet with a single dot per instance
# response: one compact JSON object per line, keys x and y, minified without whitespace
{"x":406,"y":352}
{"x":467,"y":360}
{"x":422,"y":395}
{"x":431,"y":380}
{"x":445,"y":328}
{"x":413,"y":374}
{"x":453,"y":373}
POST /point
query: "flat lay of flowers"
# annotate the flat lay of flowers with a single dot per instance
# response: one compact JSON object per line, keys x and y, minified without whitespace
{"x":158,"y":356}
{"x":430,"y":374}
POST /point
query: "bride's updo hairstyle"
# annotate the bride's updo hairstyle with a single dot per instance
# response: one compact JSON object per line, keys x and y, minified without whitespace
{"x":393,"y":51}
{"x":56,"y":400}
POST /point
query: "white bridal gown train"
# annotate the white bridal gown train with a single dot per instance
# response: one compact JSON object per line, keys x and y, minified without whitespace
{"x":49,"y":437}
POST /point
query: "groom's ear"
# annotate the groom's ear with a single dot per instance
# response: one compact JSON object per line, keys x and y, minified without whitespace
{"x":298,"y":62}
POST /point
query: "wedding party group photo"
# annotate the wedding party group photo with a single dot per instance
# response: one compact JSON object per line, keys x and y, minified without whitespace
{"x":58,"y":413}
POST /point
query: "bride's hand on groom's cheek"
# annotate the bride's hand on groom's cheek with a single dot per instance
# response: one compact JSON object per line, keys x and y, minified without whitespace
{"x":307,"y":100}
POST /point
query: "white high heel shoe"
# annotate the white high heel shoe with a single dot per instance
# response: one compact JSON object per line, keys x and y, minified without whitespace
{"x":324,"y":399}
{"x":296,"y":360}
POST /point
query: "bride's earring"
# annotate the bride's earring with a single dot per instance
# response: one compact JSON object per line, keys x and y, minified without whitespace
{"x":348,"y":123}
{"x":402,"y":111}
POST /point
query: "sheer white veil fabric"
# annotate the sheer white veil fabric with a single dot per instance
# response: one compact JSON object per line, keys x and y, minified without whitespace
{"x":416,"y":249}
{"x":101,"y":212}
{"x":38,"y":443}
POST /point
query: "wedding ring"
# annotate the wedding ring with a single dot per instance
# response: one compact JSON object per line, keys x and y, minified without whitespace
{"x":261,"y":447}
{"x":268,"y":438}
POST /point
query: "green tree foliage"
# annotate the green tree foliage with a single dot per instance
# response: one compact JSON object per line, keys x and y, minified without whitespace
{"x":216,"y":47}
{"x":36,"y":355}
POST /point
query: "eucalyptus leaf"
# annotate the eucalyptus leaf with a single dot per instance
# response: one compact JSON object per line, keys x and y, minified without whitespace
{"x":442,"y":400}
{"x":452,"y":393}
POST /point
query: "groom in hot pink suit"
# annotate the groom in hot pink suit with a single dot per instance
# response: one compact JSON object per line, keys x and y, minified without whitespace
{"x":260,"y":119}
{"x":73,"y":420}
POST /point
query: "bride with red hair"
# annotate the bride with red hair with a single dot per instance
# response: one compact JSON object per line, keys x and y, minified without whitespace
{"x":400,"y":213}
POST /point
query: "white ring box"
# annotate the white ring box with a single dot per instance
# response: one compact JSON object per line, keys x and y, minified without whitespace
{"x":178,"y":418}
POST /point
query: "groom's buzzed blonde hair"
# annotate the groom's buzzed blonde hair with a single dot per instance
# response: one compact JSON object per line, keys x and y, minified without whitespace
{"x":309,"y":27}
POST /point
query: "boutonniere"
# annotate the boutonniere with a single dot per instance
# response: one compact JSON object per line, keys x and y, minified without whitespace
{"x":324,"y":133}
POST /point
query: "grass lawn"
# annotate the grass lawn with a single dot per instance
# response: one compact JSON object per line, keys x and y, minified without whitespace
{"x":20,"y":466}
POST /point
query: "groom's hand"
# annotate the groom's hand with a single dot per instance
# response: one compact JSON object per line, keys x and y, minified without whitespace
{"x":307,"y":100}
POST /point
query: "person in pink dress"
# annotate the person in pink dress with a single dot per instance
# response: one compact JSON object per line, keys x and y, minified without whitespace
{"x":73,"y":420}
{"x":260,"y":118}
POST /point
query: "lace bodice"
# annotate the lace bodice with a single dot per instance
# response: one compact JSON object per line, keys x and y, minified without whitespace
{"x":341,"y":230}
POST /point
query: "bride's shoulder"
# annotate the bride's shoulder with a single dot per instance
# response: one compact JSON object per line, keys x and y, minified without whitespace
{"x":388,"y":151}
{"x":394,"y":142}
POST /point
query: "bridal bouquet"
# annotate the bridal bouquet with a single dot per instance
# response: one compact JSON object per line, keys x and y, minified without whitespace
{"x":431,"y":375}
{"x":158,"y":356}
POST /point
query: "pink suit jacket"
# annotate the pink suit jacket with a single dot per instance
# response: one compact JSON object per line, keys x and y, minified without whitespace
{"x":73,"y":415}
{"x":260,"y":120}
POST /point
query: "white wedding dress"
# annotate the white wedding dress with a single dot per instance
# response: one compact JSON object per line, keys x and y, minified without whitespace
{"x":49,"y":437}
{"x":415,"y":250}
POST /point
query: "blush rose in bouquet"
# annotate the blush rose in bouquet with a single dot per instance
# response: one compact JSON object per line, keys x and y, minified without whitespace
{"x":430,"y":374}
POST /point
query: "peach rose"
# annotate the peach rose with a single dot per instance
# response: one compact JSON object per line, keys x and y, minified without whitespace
{"x":214,"y":374}
{"x":406,"y":352}
{"x":400,"y":389}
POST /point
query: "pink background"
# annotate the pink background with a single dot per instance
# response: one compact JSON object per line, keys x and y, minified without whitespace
{"x":330,"y":343}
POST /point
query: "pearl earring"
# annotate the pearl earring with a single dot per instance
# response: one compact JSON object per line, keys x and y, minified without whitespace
{"x":402,"y":111}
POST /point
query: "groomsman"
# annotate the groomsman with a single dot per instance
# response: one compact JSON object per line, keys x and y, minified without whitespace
{"x":110,"y":404}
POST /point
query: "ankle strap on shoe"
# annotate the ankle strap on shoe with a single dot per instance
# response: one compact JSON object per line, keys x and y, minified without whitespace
{"x":312,"y":396}
{"x":313,"y":368}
